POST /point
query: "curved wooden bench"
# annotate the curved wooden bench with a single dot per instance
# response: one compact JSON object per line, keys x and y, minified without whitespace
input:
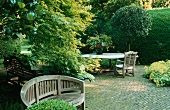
{"x":47,"y":87}
{"x":17,"y":72}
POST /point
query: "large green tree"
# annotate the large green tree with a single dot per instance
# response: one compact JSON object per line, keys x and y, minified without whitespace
{"x":52,"y":27}
{"x":132,"y":21}
{"x":104,"y":10}
{"x":57,"y":28}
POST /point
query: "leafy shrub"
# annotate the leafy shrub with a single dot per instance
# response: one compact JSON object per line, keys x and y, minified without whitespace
{"x":52,"y":105}
{"x":160,"y":3}
{"x":159,"y":73}
{"x":10,"y":106}
{"x":57,"y":45}
{"x":156,"y":46}
{"x":9,"y":47}
{"x":132,"y":21}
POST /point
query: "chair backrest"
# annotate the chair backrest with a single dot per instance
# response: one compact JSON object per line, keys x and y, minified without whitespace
{"x":130,"y":58}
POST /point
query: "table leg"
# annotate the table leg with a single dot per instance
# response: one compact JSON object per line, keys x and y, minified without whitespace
{"x":110,"y":63}
{"x":113,"y":66}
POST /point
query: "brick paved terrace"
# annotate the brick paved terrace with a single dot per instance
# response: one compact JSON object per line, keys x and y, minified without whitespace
{"x":109,"y":92}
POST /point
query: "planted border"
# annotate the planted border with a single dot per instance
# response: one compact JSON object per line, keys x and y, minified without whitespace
{"x":159,"y":73}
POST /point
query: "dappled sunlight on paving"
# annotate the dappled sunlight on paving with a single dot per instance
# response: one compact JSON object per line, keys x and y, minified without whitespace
{"x":101,"y":84}
{"x":131,"y":86}
{"x":109,"y":92}
{"x":123,"y":85}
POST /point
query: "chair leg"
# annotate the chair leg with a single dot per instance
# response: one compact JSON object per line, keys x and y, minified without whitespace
{"x":133,"y":72}
{"x":123,"y":73}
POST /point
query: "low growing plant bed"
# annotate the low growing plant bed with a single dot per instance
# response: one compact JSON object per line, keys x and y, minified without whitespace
{"x":52,"y":105}
{"x":159,"y":73}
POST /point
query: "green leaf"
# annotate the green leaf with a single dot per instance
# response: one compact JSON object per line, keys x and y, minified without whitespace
{"x":103,"y":43}
{"x":23,"y":9}
{"x":19,"y":35}
{"x":13,"y":1}
{"x":21,"y":5}
{"x":31,"y":16}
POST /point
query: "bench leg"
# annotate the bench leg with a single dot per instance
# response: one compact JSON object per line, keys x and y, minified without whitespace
{"x":19,"y":80}
{"x":7,"y":76}
{"x":83,"y":106}
{"x":23,"y":107}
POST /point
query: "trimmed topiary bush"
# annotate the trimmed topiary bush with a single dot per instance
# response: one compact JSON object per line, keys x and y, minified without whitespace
{"x":132,"y":21}
{"x":159,"y":73}
{"x":52,"y":105}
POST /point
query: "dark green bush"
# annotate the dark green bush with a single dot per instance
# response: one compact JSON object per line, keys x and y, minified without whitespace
{"x":10,"y":106}
{"x":10,"y":47}
{"x":52,"y":105}
{"x":156,"y":45}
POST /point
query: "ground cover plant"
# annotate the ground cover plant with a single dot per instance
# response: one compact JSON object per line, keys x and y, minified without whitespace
{"x":52,"y":105}
{"x":11,"y":106}
{"x":159,"y":73}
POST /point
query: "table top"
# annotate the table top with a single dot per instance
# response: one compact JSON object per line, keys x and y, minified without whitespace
{"x":105,"y":55}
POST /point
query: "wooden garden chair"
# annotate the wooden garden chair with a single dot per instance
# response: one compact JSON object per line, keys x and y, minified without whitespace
{"x":127,"y":66}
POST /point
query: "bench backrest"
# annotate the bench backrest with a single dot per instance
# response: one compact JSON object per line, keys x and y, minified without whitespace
{"x":46,"y":86}
{"x":14,"y":65}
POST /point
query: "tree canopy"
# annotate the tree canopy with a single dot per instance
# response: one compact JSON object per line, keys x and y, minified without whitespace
{"x":132,"y":21}
{"x":52,"y":27}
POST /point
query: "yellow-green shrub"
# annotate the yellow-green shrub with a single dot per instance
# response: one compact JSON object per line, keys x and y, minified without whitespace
{"x":159,"y":73}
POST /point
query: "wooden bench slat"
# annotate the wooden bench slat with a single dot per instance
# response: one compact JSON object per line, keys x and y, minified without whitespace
{"x":48,"y":87}
{"x":15,"y":67}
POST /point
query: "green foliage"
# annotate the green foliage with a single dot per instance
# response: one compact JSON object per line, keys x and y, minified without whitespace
{"x":114,"y":5}
{"x":160,"y":3}
{"x":92,"y":65}
{"x":146,"y":4}
{"x":99,"y":42}
{"x":15,"y":25}
{"x":55,"y":41}
{"x":156,"y":45}
{"x":52,"y":105}
{"x":159,"y":73}
{"x":10,"y":106}
{"x":132,"y":21}
{"x":103,"y":10}
{"x":11,"y":47}
{"x":14,"y":20}
{"x":51,"y":26}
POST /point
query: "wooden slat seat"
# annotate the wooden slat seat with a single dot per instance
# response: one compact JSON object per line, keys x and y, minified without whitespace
{"x":48,"y":87}
{"x":16,"y":68}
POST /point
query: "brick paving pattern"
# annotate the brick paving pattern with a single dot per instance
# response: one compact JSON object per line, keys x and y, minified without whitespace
{"x":130,"y":93}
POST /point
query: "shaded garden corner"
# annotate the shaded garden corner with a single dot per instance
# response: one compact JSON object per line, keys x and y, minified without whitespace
{"x":9,"y":93}
{"x":129,"y":93}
